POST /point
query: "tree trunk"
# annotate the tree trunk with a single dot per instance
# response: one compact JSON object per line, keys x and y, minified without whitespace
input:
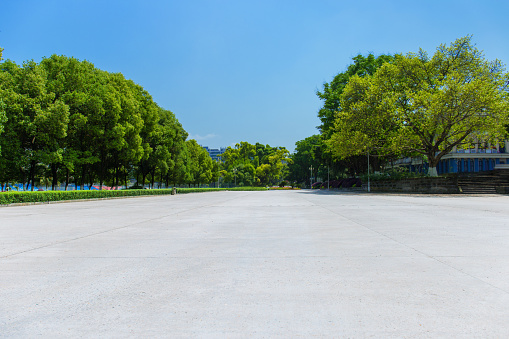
{"x":23,"y":179}
{"x":82,"y":179}
{"x":54,"y":179}
{"x":432,"y":163}
{"x":432,"y":171}
{"x":28,"y":181}
{"x":90,"y":180}
{"x":32,"y":175}
{"x":66,"y":178}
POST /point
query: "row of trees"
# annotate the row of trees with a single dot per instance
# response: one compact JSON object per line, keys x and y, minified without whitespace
{"x":313,"y":152}
{"x":65,"y":120}
{"x":409,"y":105}
{"x":254,"y":165}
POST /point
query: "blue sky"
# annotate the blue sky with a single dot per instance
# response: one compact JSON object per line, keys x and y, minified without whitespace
{"x":236,"y":71}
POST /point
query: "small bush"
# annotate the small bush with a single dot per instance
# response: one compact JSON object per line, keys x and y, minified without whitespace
{"x":317,"y":185}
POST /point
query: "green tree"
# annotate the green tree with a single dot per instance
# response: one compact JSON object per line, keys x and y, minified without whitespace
{"x":3,"y":117}
{"x":426,"y":105}
{"x":238,"y":164}
{"x":12,"y":164}
{"x":177,"y":171}
{"x":164,"y":146}
{"x":279,"y":161}
{"x":363,"y":127}
{"x":37,"y":120}
{"x":68,"y":120}
{"x":257,"y":164}
{"x":199,"y":162}
{"x":304,"y":157}
{"x":331,"y":93}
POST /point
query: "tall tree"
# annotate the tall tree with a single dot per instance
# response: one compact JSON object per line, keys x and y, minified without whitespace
{"x":426,"y":105}
{"x":37,"y":119}
{"x":66,"y":119}
{"x":3,"y":117}
{"x":257,"y":164}
{"x":304,"y":158}
{"x":199,"y":164}
{"x":331,"y":93}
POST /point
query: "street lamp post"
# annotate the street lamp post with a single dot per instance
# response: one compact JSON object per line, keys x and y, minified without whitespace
{"x":235,"y":176}
{"x":218,"y":172}
{"x":369,"y":189}
{"x":311,"y":179}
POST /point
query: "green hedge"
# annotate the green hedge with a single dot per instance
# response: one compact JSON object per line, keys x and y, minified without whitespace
{"x":47,"y":196}
{"x":199,"y":190}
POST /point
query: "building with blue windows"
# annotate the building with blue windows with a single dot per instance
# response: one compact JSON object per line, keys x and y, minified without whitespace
{"x":215,"y":153}
{"x":475,"y":159}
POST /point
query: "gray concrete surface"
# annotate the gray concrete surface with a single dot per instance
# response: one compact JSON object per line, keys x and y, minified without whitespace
{"x":257,"y":264}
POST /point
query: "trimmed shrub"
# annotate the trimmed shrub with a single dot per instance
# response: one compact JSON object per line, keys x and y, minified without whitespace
{"x":48,"y":196}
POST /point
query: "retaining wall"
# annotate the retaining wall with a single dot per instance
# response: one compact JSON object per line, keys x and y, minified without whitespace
{"x":443,"y":185}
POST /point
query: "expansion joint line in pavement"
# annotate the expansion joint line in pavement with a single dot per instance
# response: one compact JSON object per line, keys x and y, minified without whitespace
{"x":110,"y":230}
{"x":413,"y":248}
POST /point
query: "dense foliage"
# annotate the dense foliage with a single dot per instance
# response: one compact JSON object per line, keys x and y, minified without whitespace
{"x":331,"y":93}
{"x":305,"y":161}
{"x":3,"y":118}
{"x":254,"y":165}
{"x":386,"y":107}
{"x":314,"y":151}
{"x":66,"y":121}
{"x":424,"y":105}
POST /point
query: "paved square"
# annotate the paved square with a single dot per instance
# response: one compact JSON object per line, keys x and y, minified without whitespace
{"x":257,"y":264}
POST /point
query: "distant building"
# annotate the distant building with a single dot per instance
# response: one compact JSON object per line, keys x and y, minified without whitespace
{"x":215,"y":153}
{"x":476,"y":159}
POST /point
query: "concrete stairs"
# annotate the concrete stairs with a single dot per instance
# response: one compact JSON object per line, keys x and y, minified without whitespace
{"x":491,"y":182}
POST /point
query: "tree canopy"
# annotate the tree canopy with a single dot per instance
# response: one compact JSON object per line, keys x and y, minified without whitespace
{"x":306,"y":155}
{"x":254,"y":165}
{"x":424,"y":105}
{"x":69,"y":121}
{"x":3,"y":117}
{"x":331,"y":93}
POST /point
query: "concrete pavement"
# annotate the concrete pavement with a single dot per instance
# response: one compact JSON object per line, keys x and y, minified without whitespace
{"x":257,"y":264}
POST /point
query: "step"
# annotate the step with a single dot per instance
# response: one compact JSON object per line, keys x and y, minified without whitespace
{"x":466,"y":190}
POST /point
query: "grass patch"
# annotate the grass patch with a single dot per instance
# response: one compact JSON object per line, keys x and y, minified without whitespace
{"x":284,"y":188}
{"x":199,"y":190}
{"x":247,"y":188}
